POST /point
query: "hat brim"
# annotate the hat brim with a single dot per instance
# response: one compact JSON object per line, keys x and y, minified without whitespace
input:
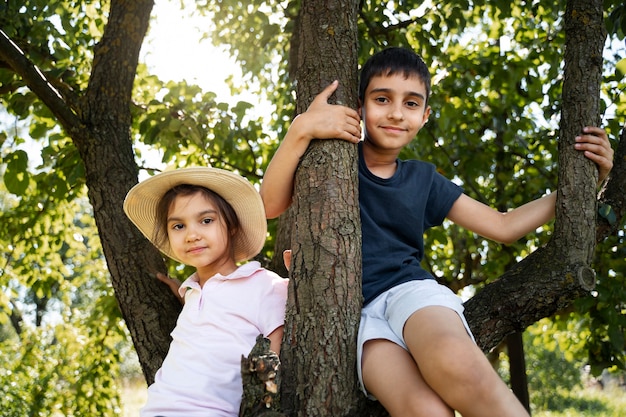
{"x":141,"y":203}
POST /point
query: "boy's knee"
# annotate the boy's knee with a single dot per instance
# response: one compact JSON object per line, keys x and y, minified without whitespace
{"x":465,"y":365}
{"x":421,"y":407}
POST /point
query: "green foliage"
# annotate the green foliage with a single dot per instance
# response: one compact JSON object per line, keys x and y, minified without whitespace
{"x":557,"y":376}
{"x":61,"y":326}
{"x":605,"y":307}
{"x":16,"y":176}
{"x":258,"y":35}
{"x":616,"y":22}
{"x":189,"y":127}
{"x":554,"y":362}
{"x":52,"y":34}
{"x":66,"y":370}
{"x":588,"y":402}
{"x":496,"y":99}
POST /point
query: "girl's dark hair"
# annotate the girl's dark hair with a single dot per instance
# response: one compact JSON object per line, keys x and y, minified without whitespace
{"x":392,"y":61}
{"x":225,"y":210}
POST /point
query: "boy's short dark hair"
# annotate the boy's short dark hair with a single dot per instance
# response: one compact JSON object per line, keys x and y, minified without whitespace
{"x":392,"y":61}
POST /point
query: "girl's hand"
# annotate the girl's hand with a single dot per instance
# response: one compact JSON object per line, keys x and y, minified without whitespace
{"x":173,"y":283}
{"x":287,"y":258}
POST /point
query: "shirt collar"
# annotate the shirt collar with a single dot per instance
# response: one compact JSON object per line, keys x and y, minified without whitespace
{"x":244,"y":271}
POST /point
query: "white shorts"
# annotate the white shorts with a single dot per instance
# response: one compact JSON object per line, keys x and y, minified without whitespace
{"x":385,"y":316}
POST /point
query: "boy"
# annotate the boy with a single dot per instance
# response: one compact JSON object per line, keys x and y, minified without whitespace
{"x":416,"y":354}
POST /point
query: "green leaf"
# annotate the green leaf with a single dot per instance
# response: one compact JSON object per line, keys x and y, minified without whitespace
{"x":16,"y":176}
{"x":620,"y":67}
{"x":607,"y":212}
{"x":20,"y":104}
{"x":175,"y":125}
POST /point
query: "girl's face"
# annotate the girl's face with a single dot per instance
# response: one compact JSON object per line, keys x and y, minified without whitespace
{"x":198,"y":236}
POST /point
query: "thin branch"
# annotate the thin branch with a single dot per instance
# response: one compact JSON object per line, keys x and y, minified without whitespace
{"x":16,"y":318}
{"x":37,"y":82}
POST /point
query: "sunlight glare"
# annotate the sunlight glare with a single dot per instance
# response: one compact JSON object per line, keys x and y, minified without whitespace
{"x":173,"y":50}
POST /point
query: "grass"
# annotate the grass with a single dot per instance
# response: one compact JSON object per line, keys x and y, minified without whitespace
{"x":587,"y":402}
{"x":133,"y":396}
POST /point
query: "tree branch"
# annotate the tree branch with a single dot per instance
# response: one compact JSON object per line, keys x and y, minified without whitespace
{"x":541,"y":270}
{"x":16,"y":318}
{"x":37,"y":82}
{"x":552,"y":277}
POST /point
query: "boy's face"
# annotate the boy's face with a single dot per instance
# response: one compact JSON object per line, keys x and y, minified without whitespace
{"x":393,"y":110}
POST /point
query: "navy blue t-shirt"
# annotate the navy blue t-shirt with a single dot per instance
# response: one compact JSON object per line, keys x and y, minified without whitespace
{"x":395,"y":213}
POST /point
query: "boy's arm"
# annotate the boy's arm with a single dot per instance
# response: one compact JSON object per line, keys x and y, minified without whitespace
{"x":502,"y":227}
{"x":512,"y":225}
{"x":321,"y":121}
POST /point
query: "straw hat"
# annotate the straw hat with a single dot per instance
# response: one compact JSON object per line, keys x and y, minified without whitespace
{"x":141,"y":203}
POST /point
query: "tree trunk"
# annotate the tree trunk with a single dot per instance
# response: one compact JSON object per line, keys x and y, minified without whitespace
{"x":517,"y":367}
{"x":552,"y":277}
{"x":149,"y":310}
{"x":585,"y":35}
{"x":323,"y":311}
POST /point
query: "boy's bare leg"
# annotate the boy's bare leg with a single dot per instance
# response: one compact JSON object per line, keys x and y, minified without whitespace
{"x":391,"y":375}
{"x":455,"y":368}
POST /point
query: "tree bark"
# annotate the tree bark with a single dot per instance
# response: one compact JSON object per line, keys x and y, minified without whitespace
{"x":260,"y":374}
{"x":517,"y":367}
{"x":323,"y":311}
{"x":585,"y":35}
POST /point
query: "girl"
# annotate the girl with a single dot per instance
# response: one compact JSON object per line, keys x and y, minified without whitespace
{"x":210,"y":219}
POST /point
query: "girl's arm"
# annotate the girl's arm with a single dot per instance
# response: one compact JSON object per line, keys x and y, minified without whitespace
{"x":276,"y":338}
{"x":172,"y":283}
